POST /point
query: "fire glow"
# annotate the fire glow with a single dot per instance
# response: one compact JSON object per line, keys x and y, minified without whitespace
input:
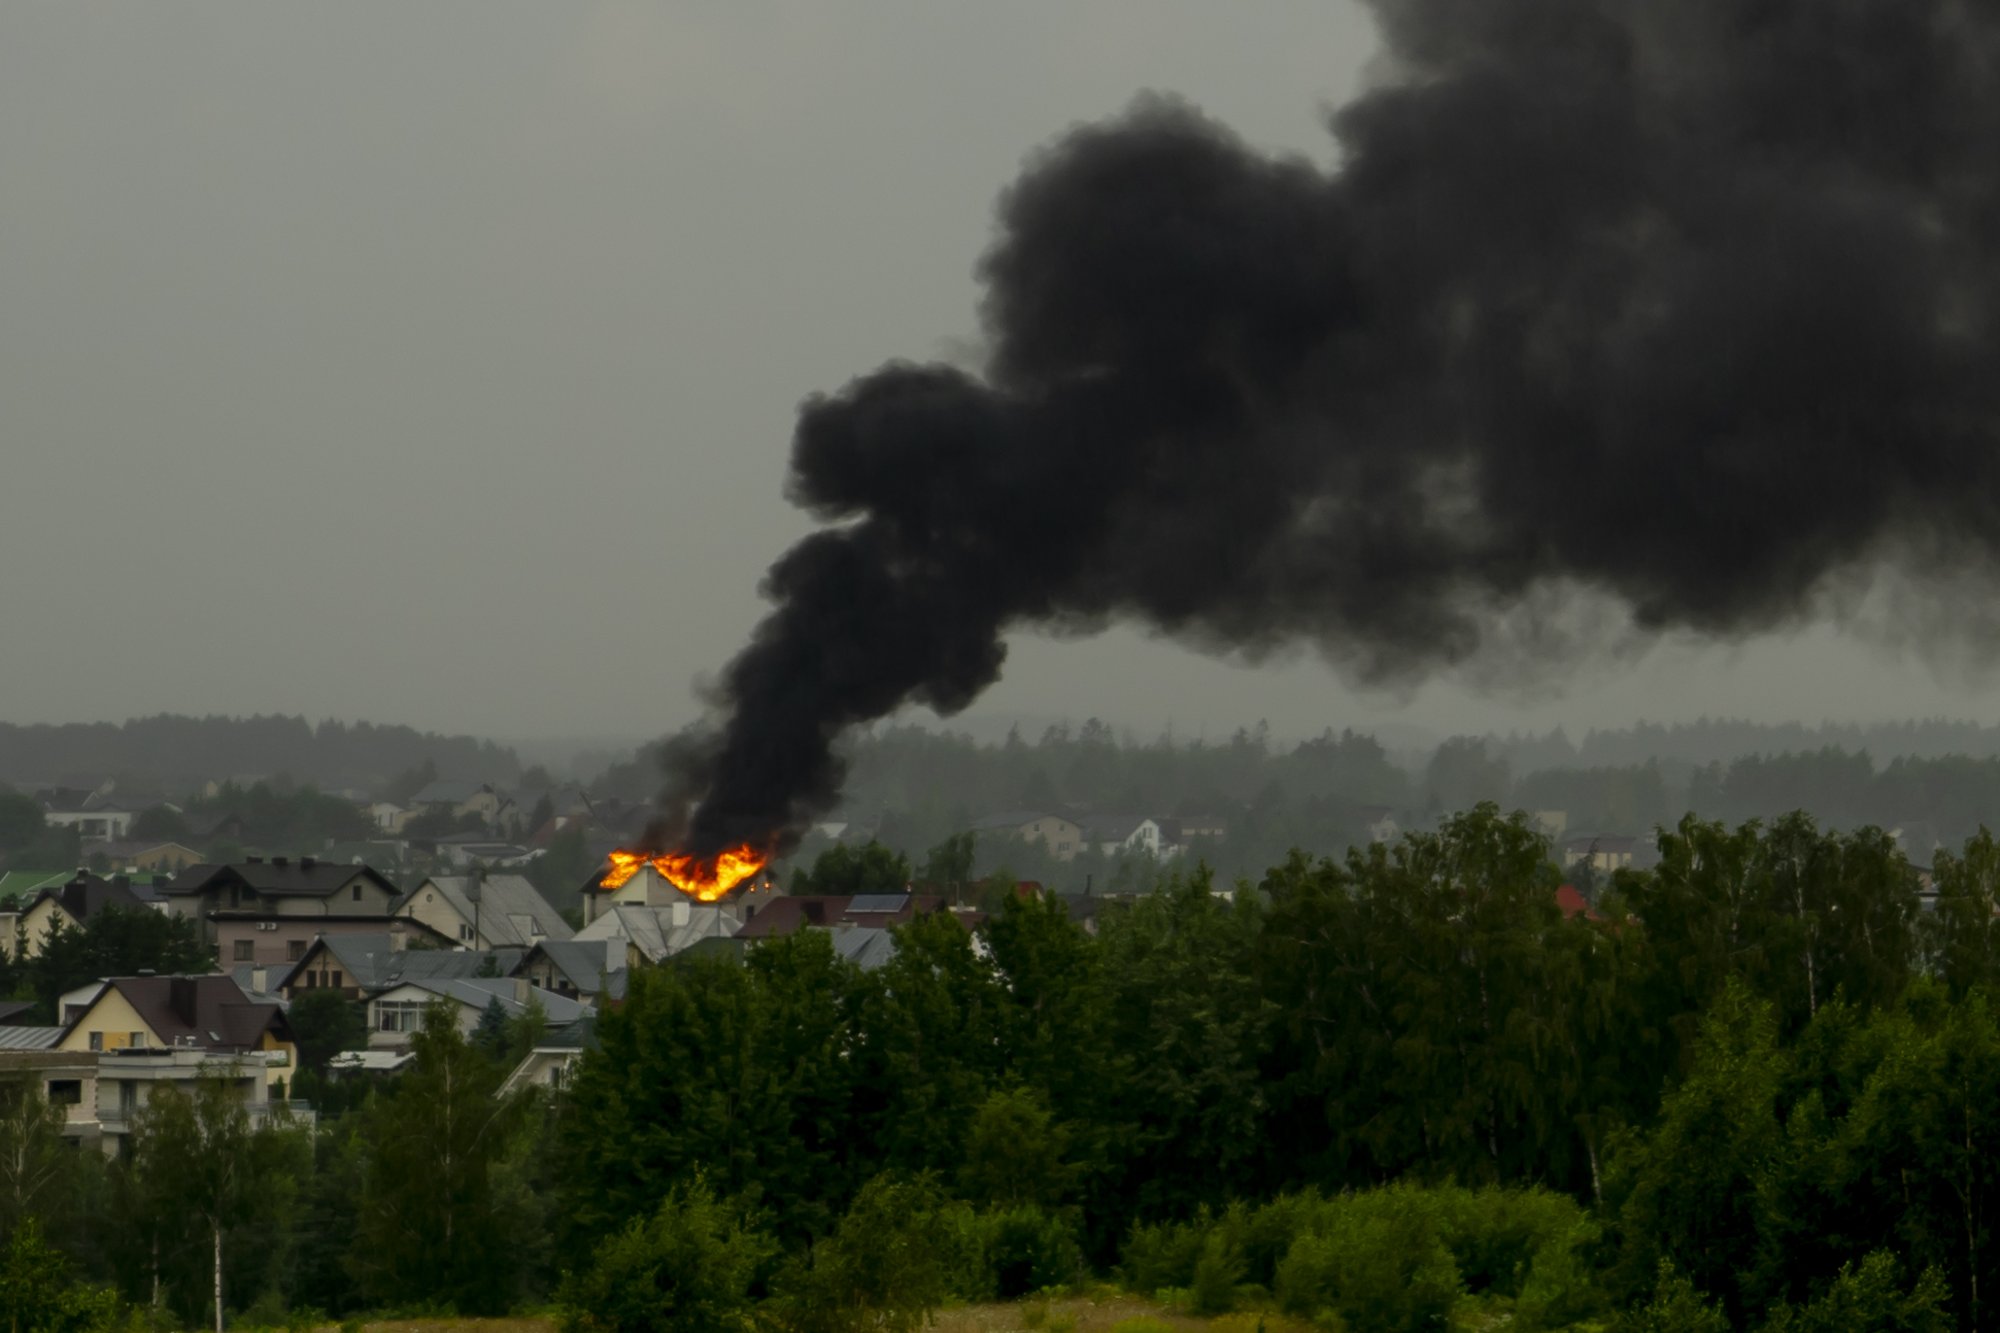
{"x":705,"y":880}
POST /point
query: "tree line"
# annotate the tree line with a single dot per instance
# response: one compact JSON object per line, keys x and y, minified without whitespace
{"x":173,"y":752}
{"x":1757,"y":1086}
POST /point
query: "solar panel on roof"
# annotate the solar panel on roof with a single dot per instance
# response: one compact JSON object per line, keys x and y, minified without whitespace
{"x":879,"y":902}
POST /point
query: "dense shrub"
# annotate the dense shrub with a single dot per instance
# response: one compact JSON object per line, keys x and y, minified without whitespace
{"x":690,"y":1267}
{"x":1027,"y":1250}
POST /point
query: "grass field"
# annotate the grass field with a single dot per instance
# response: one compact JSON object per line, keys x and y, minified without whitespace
{"x":1097,"y":1313}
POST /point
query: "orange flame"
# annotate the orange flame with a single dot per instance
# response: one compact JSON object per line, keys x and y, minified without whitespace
{"x":702,"y":880}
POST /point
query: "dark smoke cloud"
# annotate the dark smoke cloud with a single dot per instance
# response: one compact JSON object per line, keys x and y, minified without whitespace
{"x":1685,"y":305}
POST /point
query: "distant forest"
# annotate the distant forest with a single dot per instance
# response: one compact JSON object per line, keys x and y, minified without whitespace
{"x":911,"y":787}
{"x":1938,"y":781}
{"x":172,"y":754}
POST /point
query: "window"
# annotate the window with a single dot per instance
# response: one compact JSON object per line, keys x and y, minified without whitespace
{"x":335,"y":983}
{"x":65,"y":1091}
{"x":399,"y":1015}
{"x":136,"y":1040}
{"x":295,"y":950}
{"x":465,"y":932}
{"x":246,"y":950}
{"x":357,"y":890}
{"x":97,"y":1041}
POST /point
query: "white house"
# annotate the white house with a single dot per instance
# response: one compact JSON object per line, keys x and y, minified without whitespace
{"x":1115,"y":835}
{"x":396,"y":1014}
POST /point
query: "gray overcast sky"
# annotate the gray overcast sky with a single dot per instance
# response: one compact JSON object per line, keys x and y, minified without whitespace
{"x":436,"y":363}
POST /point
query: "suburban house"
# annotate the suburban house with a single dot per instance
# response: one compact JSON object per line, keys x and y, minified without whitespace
{"x":67,"y":1080}
{"x":463,"y":851}
{"x":96,"y":818}
{"x":389,"y":817}
{"x":359,"y":965}
{"x":150,"y":858}
{"x":69,"y":906}
{"x":1118,"y":835}
{"x":485,"y":911}
{"x":1213,"y":827}
{"x":396,"y":1014}
{"x":654,"y":934}
{"x":208,"y":1014}
{"x":554,"y":1057}
{"x":578,"y":969}
{"x":459,"y":799}
{"x":268,"y":912}
{"x":1064,"y":838}
{"x":647,"y":888}
{"x":836,"y":912}
{"x":1602,"y":852}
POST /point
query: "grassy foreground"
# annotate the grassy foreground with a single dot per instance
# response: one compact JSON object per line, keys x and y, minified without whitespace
{"x":1096,"y":1313}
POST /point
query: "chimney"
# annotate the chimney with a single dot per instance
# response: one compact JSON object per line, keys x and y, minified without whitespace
{"x":681,"y":912}
{"x":308,"y":862}
{"x":180,"y":998}
{"x":279,"y":861}
{"x":520,"y":990}
{"x":260,"y":978}
{"x":253,"y":860}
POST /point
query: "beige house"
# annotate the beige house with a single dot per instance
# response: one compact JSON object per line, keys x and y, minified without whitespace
{"x":67,"y":907}
{"x":266,"y":913}
{"x":201,"y":1014}
{"x":66,"y":1079}
{"x":485,"y":911}
{"x":1063,"y":837}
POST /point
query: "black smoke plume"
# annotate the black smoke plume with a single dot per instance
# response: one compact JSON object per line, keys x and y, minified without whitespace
{"x":1685,"y":305}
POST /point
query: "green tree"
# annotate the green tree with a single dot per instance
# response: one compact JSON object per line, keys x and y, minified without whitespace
{"x":689,"y":1264}
{"x":1015,"y":1154}
{"x":887,"y":1265}
{"x":38,"y":1294}
{"x":738,"y":1069}
{"x":841,"y":869}
{"x":1690,"y":1190}
{"x":1676,"y":1307}
{"x":489,"y":1036}
{"x":113,"y":942}
{"x":927,"y":1043}
{"x":196,"y":1158}
{"x":949,"y":864}
{"x":21,"y":821}
{"x":429,"y":1230}
{"x":42,"y":1176}
{"x":324,"y":1023}
{"x":159,"y":823}
{"x":1870,"y":1295}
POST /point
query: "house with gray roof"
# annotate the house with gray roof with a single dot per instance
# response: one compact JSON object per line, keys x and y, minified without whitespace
{"x":397,"y":1014}
{"x":359,"y":965}
{"x":580,"y":969}
{"x":554,"y":1058}
{"x":485,"y":911}
{"x":655,"y":934}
